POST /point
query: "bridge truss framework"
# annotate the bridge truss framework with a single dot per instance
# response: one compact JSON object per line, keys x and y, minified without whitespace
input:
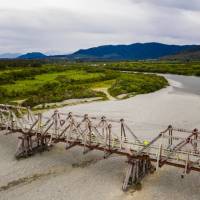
{"x":175,"y":147}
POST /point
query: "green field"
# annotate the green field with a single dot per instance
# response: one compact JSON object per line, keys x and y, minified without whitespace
{"x":48,"y":83}
{"x":39,"y":80}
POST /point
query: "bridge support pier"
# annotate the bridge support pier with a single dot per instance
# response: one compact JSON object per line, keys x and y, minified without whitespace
{"x":29,"y":145}
{"x":137,"y":170}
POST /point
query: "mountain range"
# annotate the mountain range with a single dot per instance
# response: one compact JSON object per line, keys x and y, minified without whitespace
{"x":137,"y":51}
{"x":189,"y":54}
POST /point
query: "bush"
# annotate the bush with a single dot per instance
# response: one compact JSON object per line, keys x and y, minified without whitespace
{"x":137,"y":84}
{"x":56,"y":92}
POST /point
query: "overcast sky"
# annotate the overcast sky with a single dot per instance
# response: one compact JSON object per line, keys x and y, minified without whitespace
{"x":63,"y":26}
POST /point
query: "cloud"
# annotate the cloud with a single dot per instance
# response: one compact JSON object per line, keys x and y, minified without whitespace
{"x":64,"y":26}
{"x":179,"y":4}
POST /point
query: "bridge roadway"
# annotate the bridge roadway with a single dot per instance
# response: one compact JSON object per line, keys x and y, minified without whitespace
{"x":175,"y":147}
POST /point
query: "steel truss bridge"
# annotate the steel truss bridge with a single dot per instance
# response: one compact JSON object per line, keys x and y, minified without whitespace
{"x":37,"y":132}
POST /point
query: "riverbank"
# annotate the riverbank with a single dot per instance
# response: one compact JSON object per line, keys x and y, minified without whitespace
{"x":61,"y":174}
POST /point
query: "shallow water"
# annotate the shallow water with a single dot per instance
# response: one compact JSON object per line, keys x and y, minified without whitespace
{"x":188,"y":84}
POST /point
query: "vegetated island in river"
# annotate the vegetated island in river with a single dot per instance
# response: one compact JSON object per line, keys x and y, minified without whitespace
{"x":39,"y":82}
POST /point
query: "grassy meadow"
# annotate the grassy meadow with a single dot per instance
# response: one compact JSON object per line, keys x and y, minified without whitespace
{"x":39,"y":83}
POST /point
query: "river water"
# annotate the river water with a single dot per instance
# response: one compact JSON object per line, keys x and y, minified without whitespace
{"x":188,"y":84}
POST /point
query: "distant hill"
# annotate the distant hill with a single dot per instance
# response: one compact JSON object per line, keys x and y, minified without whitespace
{"x":33,"y":55}
{"x":9,"y":55}
{"x":137,"y":51}
{"x":189,"y":54}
